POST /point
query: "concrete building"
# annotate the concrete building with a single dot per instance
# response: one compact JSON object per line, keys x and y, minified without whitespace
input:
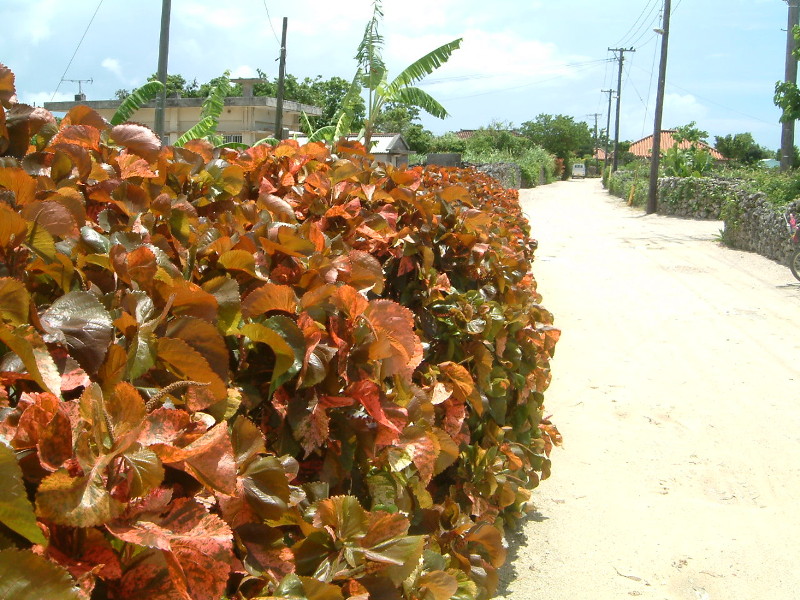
{"x":245,"y":119}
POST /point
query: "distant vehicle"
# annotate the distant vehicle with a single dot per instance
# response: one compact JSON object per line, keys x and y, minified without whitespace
{"x":579,"y":170}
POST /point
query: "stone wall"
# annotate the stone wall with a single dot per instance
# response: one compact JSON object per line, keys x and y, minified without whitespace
{"x":751,"y":222}
{"x":695,"y":197}
{"x":508,"y":174}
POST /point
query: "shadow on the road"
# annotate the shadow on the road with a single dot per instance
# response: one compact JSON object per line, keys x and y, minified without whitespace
{"x":515,"y":539}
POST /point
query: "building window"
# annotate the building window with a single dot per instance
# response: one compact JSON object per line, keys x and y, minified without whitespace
{"x":232,"y":138}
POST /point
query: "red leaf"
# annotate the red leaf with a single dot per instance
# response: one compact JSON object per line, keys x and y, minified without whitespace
{"x":368,"y":394}
{"x":267,"y":298}
{"x":396,"y":343}
{"x":197,"y":548}
{"x":79,"y":135}
{"x":133,"y":166}
{"x":137,"y":139}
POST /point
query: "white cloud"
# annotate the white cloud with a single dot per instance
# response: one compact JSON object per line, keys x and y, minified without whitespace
{"x":39,"y":98}
{"x":243,"y":71}
{"x":199,"y":14}
{"x":488,"y":61}
{"x":112,"y":64}
{"x":680,"y":109}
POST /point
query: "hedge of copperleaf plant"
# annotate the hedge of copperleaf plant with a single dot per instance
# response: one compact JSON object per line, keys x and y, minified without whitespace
{"x":276,"y":373}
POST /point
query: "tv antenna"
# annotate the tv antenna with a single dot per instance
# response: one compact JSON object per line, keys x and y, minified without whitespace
{"x":80,"y":82}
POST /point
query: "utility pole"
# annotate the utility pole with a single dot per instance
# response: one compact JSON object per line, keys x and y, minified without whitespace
{"x":621,"y":59}
{"x":281,"y":75}
{"x":608,"y":126}
{"x":655,"y":158}
{"x":163,"y":53}
{"x":787,"y":129}
{"x":594,"y":155}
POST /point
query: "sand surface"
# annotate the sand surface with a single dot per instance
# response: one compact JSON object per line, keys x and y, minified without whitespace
{"x":677,"y":389}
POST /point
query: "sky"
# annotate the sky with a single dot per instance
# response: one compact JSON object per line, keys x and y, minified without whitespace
{"x":518,"y":58}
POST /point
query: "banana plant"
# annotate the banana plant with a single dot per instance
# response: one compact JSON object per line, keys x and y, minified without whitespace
{"x":213,"y":105}
{"x":138,"y":98}
{"x":372,"y":74}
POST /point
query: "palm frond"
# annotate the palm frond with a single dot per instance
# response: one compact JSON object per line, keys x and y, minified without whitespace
{"x":138,"y":98}
{"x":412,"y":96}
{"x":323,"y":134}
{"x":267,"y":140}
{"x":204,"y":128}
{"x":369,"y":54}
{"x":423,"y":66}
{"x":214,"y":104}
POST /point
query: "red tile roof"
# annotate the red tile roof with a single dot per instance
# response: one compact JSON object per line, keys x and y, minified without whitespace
{"x":644,"y":147}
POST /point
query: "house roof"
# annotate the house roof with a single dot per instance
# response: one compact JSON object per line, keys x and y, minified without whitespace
{"x":644,"y":147}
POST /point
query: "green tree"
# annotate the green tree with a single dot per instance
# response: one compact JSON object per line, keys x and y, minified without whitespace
{"x":740,"y":147}
{"x":560,"y":135}
{"x":693,"y":161}
{"x":372,"y":76}
{"x":176,"y":84}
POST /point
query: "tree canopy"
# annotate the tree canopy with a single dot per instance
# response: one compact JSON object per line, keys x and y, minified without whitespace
{"x":560,"y":135}
{"x":327,"y":94}
{"x":741,"y":147}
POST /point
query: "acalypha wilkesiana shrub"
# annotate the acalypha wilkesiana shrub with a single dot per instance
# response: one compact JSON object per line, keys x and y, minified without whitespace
{"x":280,"y":372}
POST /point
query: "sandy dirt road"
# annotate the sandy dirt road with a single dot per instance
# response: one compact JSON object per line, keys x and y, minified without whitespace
{"x":677,"y":389}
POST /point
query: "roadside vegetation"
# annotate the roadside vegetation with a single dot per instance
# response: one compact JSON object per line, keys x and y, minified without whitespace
{"x":281,"y":371}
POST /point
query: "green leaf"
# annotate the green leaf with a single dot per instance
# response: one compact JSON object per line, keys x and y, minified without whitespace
{"x":266,"y":488}
{"x":80,"y":321}
{"x":16,"y":511}
{"x":14,"y":301}
{"x":286,"y":340}
{"x":343,"y":514}
{"x":138,"y":98}
{"x":145,"y":472}
{"x":28,"y":576}
{"x":26,"y":343}
{"x":40,"y":241}
{"x":423,"y":66}
{"x":307,"y":588}
{"x":203,"y":128}
{"x":77,"y":501}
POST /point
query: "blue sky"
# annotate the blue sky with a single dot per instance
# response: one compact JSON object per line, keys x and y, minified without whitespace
{"x":519,"y":58}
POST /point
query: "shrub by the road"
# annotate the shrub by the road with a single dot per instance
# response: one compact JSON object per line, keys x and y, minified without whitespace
{"x":278,"y":372}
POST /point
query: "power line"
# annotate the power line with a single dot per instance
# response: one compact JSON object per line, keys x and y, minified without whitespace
{"x":269,"y":20}
{"x":636,"y":22}
{"x":649,"y":88}
{"x":621,"y":60}
{"x":585,"y":67}
{"x":69,"y":64}
{"x":643,"y":26}
{"x":671,"y":84}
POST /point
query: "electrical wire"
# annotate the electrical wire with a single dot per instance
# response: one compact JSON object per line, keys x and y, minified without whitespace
{"x":728,"y":108}
{"x":439,"y":80}
{"x":69,"y":64}
{"x":584,"y":67}
{"x":269,"y":20}
{"x":650,"y":88}
{"x":637,"y":32}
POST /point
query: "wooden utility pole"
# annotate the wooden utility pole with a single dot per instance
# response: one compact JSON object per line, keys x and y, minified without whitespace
{"x":608,"y":126}
{"x":655,"y":158}
{"x":787,"y":127}
{"x":621,"y":59}
{"x":594,"y":155}
{"x":163,"y":53}
{"x":281,"y":76}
